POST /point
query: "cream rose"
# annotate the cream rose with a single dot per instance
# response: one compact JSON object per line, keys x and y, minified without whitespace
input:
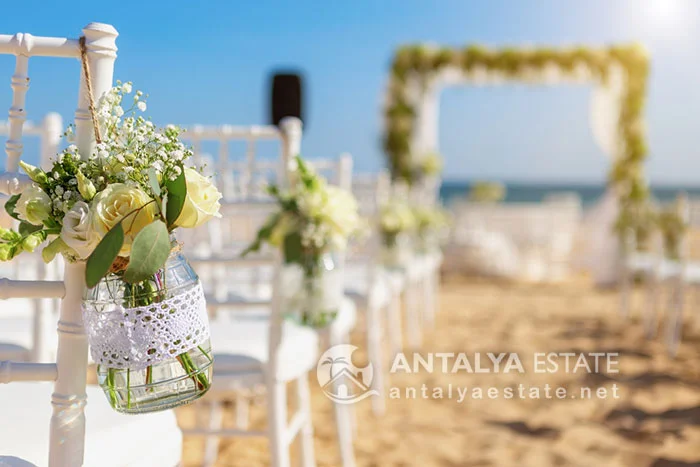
{"x":33,"y":205}
{"x":120,"y":202}
{"x":202,"y":202}
{"x":77,"y":231}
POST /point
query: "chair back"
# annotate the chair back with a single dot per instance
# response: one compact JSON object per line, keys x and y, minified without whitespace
{"x":67,"y":432}
{"x":253,"y":281}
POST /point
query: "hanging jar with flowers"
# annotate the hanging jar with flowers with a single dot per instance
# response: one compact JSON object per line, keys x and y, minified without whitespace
{"x":397,"y":225}
{"x":117,"y":210}
{"x":311,"y":227}
{"x":431,"y":228}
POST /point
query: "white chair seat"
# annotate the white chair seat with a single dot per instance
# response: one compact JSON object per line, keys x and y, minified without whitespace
{"x":14,"y":352}
{"x":346,"y":319}
{"x":357,"y":285}
{"x":241,"y":344}
{"x":692,"y":273}
{"x":16,"y":336}
{"x":241,"y":347}
{"x":669,"y":269}
{"x":16,"y":332}
{"x":640,"y":262}
{"x":112,"y":439}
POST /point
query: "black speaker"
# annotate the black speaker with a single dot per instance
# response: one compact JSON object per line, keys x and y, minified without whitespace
{"x":286,"y":99}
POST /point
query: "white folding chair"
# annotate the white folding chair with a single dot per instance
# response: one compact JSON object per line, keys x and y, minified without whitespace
{"x":258,"y":347}
{"x":112,"y":439}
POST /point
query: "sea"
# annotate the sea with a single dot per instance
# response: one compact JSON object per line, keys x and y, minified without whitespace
{"x":521,"y":192}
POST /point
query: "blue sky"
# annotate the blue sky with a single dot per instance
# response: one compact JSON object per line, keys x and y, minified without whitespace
{"x":208,"y":62}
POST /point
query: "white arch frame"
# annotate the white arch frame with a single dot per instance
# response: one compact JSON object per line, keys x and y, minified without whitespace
{"x":600,"y":256}
{"x":605,"y":100}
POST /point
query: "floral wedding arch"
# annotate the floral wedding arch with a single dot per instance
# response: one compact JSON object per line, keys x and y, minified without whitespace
{"x":618,"y":74}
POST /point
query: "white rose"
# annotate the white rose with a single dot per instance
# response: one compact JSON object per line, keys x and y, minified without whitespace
{"x":77,"y":231}
{"x":33,"y":205}
{"x":201,"y":203}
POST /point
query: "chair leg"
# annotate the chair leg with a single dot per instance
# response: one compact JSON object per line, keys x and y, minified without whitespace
{"x":412,"y":316}
{"x":343,"y":412}
{"x":650,"y":305}
{"x":277,"y":424}
{"x":695,"y":305}
{"x":306,"y":434}
{"x":211,"y":442}
{"x":625,"y":292}
{"x":674,"y":323}
{"x":429,"y":299}
{"x":436,"y":289}
{"x":242,"y":412}
{"x":394,"y":320}
{"x":374,"y":350}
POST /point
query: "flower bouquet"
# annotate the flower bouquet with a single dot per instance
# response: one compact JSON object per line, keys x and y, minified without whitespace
{"x":673,"y":228}
{"x":314,"y":220}
{"x":397,"y":223}
{"x":431,"y":228}
{"x":116,"y":210}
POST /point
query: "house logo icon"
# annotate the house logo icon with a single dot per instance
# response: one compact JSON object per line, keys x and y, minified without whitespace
{"x":341,"y":381}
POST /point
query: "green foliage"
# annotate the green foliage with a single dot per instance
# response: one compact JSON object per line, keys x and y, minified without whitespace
{"x":25,"y":228}
{"x":177,"y":194}
{"x":101,"y":259}
{"x":487,"y":192}
{"x":263,"y":234}
{"x":292,"y":249}
{"x":419,"y":63}
{"x":10,"y":206}
{"x":149,"y":251}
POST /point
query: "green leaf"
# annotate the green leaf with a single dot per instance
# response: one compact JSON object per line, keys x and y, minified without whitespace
{"x":10,"y":206}
{"x":177,"y":193}
{"x":263,"y":234}
{"x":103,"y":256}
{"x":25,"y":228}
{"x":51,"y":223}
{"x":153,"y":181}
{"x":149,"y":251}
{"x":293,"y":252}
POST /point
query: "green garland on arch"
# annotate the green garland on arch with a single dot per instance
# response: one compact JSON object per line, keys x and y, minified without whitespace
{"x":420,"y":63}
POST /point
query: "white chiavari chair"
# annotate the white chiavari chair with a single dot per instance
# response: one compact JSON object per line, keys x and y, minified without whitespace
{"x":24,"y":334}
{"x":663,"y":272}
{"x":55,"y":434}
{"x":256,"y":346}
{"x":369,"y":285}
{"x":682,"y":274}
{"x":641,"y":265}
{"x":427,"y":193}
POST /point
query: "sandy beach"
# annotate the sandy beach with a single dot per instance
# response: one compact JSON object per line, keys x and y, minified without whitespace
{"x":654,"y":421}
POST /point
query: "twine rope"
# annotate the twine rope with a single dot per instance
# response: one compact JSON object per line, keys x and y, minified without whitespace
{"x":88,"y":85}
{"x":120,"y":263}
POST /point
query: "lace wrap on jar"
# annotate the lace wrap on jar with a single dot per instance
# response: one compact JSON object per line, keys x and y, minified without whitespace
{"x":138,"y":337}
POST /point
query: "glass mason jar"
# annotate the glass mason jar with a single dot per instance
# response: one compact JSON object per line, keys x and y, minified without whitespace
{"x":312,"y":290}
{"x":396,"y":251}
{"x":427,"y":241}
{"x":150,"y":340}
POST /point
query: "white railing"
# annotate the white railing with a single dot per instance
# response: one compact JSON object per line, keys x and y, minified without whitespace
{"x":67,"y":432}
